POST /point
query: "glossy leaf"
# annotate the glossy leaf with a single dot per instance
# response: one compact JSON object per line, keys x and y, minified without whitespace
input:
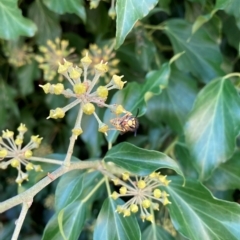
{"x":231,"y":7}
{"x":155,"y":232}
{"x":128,"y":12}
{"x":227,"y":175}
{"x":73,"y":185}
{"x":71,"y":220}
{"x":197,"y":215}
{"x":67,"y":6}
{"x":175,"y":101}
{"x":13,"y":24}
{"x":140,"y":161}
{"x":213,"y":126}
{"x":111,"y":225}
{"x":202,"y":55}
{"x":46,"y":20}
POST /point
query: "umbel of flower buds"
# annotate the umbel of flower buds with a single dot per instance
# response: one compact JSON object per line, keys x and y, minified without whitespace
{"x":144,"y":193}
{"x":86,"y":94}
{"x":13,"y":153}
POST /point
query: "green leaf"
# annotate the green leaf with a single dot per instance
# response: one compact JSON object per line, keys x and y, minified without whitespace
{"x":67,"y":6}
{"x":13,"y":24}
{"x":74,"y":186}
{"x":71,"y":220}
{"x":155,"y":232}
{"x":231,"y":7}
{"x":227,"y":175}
{"x":111,"y":225}
{"x":197,"y":215}
{"x":202,"y":55}
{"x":46,"y":20}
{"x":128,"y":12}
{"x":213,"y":126}
{"x":175,"y":101}
{"x":140,"y":161}
{"x":67,"y":224}
{"x":26,"y":76}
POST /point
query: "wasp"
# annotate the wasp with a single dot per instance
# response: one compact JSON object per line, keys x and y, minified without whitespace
{"x":126,"y":123}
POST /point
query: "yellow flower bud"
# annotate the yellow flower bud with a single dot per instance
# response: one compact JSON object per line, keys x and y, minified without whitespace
{"x":75,"y":73}
{"x":80,"y":88}
{"x":149,"y":218}
{"x":18,"y":141}
{"x":7,"y":134}
{"x":101,"y":68}
{"x":116,"y":181}
{"x":15,"y":163}
{"x":119,"y":209}
{"x":157,"y":193}
{"x":88,"y":108}
{"x":38,"y":168}
{"x":3,"y":153}
{"x":22,"y":128}
{"x":77,"y":131}
{"x":46,"y":87}
{"x":58,"y":88}
{"x":19,"y":181}
{"x":36,"y":139}
{"x":114,"y":195}
{"x":29,"y":167}
{"x":103,"y":128}
{"x":134,"y":208}
{"x":125,"y":176}
{"x":117,"y":82}
{"x":102,"y":91}
{"x":123,"y":190}
{"x":146,"y":203}
{"x":86,"y":61}
{"x":153,"y":175}
{"x":166,"y":201}
{"x":141,"y":184}
{"x":28,"y":154}
{"x":112,"y":13}
{"x":119,"y":109}
{"x":126,"y":212}
{"x":57,"y":113}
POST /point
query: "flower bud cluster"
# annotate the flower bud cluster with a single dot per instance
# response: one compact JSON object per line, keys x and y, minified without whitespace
{"x":105,"y":54}
{"x":18,"y":54}
{"x":84,"y":92}
{"x":51,"y":55}
{"x":144,"y":192}
{"x":14,"y":154}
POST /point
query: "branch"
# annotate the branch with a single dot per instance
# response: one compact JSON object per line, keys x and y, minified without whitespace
{"x":28,"y":195}
{"x":20,"y":220}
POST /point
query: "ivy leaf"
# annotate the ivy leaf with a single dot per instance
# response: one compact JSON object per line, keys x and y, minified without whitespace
{"x":140,"y":161}
{"x":202,"y":54}
{"x":227,"y":175}
{"x":72,"y":187}
{"x":113,"y":226}
{"x":197,"y":215}
{"x":231,"y":7}
{"x":13,"y":24}
{"x":67,"y":6}
{"x":67,"y":224}
{"x":47,"y":22}
{"x":213,"y":126}
{"x":175,"y":101}
{"x":155,"y":232}
{"x":128,"y":12}
{"x":71,"y":220}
